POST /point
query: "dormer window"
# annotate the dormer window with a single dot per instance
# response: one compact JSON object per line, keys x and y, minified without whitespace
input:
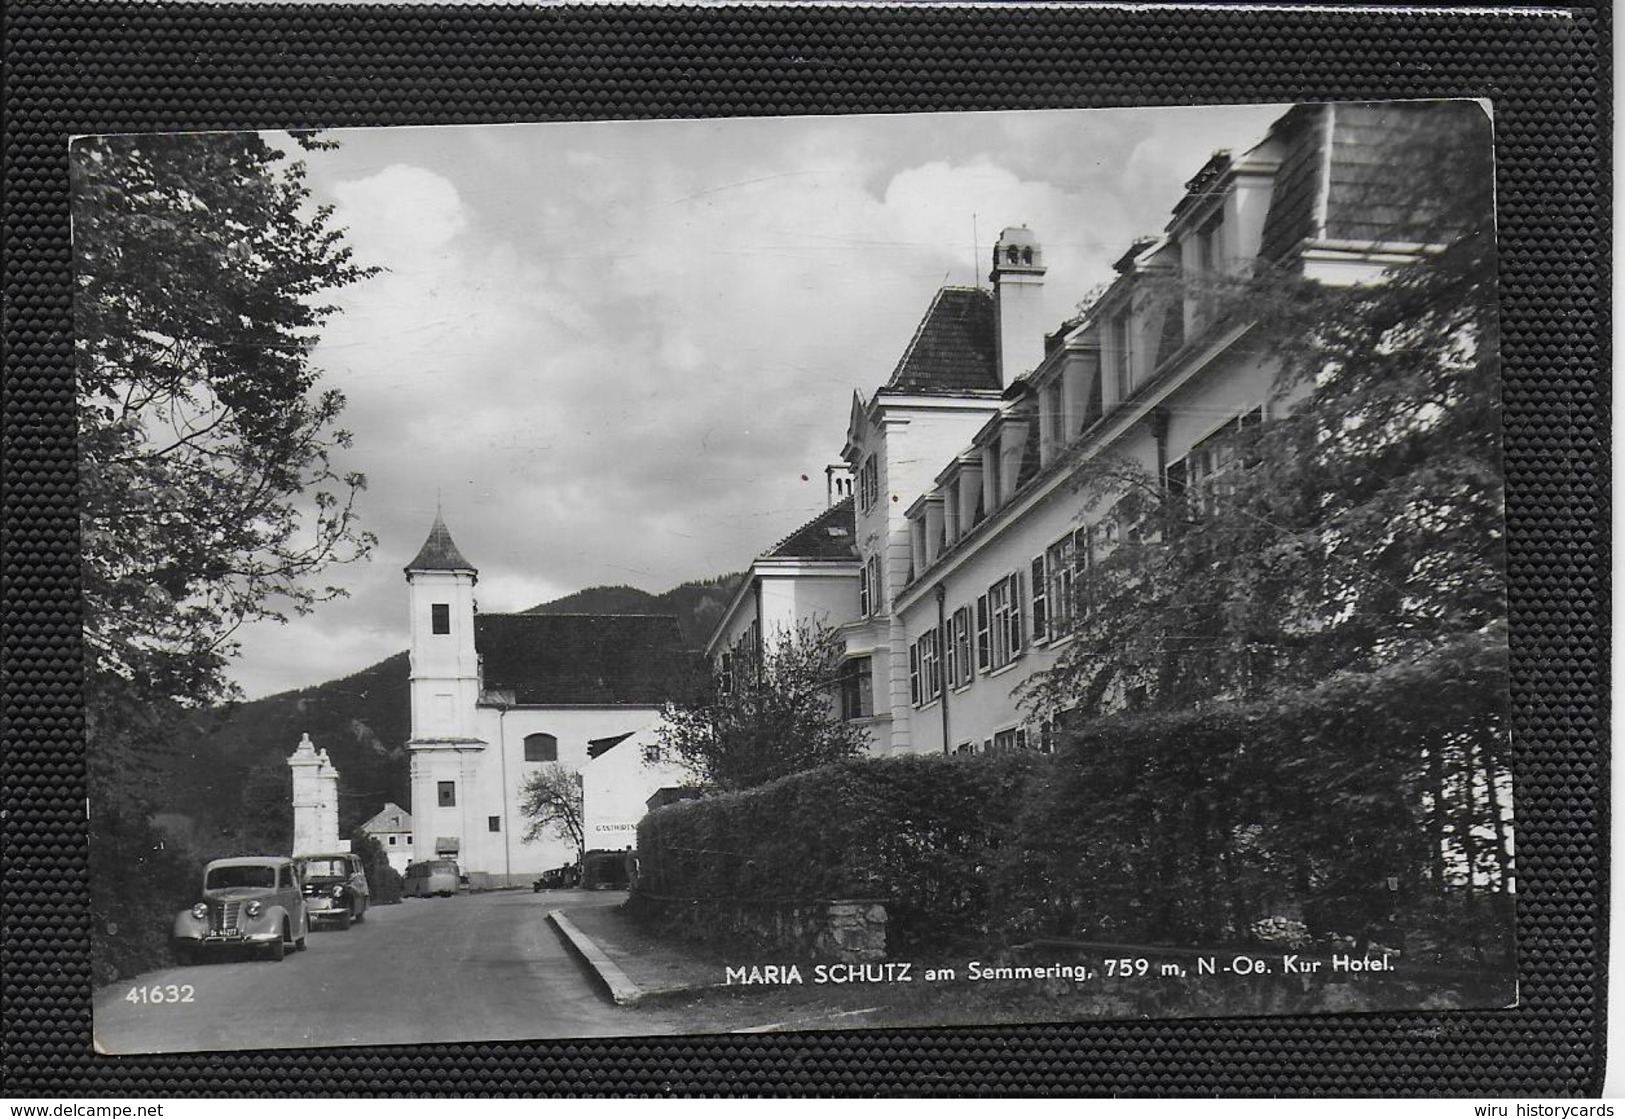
{"x":1121,"y":356}
{"x":440,"y":618}
{"x":1209,"y":246}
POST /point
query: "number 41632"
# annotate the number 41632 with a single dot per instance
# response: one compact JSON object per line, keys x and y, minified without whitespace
{"x":160,"y":993}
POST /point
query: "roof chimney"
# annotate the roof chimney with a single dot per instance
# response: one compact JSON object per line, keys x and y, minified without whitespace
{"x":1018,"y":292}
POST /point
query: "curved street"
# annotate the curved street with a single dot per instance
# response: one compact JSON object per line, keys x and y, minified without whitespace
{"x":478,"y":967}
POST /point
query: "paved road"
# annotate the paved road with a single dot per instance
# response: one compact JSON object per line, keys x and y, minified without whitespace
{"x":482,"y":967}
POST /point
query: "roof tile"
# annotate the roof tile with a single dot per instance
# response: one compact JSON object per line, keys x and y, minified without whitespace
{"x":832,"y":535}
{"x":953,"y":348}
{"x":609,"y":659}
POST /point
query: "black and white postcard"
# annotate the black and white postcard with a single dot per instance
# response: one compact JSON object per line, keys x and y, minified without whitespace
{"x":693,"y":576}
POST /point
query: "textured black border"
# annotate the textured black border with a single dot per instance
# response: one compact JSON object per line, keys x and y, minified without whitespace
{"x":84,"y":67}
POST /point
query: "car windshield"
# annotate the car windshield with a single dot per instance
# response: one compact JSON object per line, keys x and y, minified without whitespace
{"x":325,"y":868}
{"x":227,"y":877}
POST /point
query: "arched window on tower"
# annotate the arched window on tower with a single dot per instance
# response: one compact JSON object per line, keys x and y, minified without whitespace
{"x":541,"y":748}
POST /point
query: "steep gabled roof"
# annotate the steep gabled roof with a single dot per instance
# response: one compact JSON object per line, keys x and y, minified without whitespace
{"x":1347,"y":172}
{"x":608,"y":659}
{"x":832,"y":535}
{"x":954,"y":348}
{"x":439,"y":551}
{"x":391,"y":818}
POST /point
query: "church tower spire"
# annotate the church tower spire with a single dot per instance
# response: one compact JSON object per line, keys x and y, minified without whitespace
{"x":440,"y":552}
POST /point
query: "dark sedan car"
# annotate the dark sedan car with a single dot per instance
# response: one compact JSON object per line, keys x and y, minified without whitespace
{"x":336,"y":891}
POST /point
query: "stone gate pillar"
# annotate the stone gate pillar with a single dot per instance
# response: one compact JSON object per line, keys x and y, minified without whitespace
{"x":315,"y":800}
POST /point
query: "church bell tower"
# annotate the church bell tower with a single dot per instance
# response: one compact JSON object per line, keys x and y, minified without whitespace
{"x":444,"y":686}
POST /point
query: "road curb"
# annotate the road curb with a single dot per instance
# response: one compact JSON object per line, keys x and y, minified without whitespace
{"x":621,"y":989}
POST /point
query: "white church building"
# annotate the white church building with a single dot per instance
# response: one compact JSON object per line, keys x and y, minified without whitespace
{"x":970,"y":544}
{"x":496,"y":697}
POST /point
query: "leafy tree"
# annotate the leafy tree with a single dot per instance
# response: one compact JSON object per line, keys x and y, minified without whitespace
{"x":383,"y":880}
{"x":551,"y":799}
{"x":208,"y":493}
{"x":774,"y":716}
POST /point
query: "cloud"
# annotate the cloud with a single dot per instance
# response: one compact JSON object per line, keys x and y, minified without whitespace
{"x":401,"y":208}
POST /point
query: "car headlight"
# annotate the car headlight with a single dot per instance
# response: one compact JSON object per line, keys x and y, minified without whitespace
{"x":200,"y":911}
{"x":253,"y":908}
{"x":338,"y":891}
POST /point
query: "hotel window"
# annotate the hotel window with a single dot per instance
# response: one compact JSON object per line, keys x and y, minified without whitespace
{"x":869,"y":587}
{"x":541,"y":748}
{"x":1013,"y":739}
{"x":925,"y":668}
{"x":983,"y":644}
{"x":447,"y":793}
{"x":868,"y":483}
{"x":392,"y":840}
{"x":725,"y":673}
{"x":1004,"y":617}
{"x":857,"y":689}
{"x":493,"y":823}
{"x":1203,"y":481}
{"x":961,"y":669}
{"x":440,"y":618}
{"x":1061,"y":566}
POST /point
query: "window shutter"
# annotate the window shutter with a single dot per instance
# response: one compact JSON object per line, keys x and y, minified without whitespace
{"x":914,"y":674}
{"x":1015,"y":613}
{"x":981,"y":633}
{"x":1040,"y":601}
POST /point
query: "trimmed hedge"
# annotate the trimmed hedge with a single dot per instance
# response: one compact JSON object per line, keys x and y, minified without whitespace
{"x":1343,"y":807}
{"x":1351,"y":809}
{"x":921,"y":833}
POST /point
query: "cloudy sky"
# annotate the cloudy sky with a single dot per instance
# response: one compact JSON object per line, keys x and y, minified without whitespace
{"x":625,"y":352}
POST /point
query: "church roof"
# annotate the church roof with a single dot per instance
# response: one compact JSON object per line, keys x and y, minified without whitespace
{"x":591,"y":659}
{"x":832,"y":535}
{"x":392,"y":818}
{"x":439,"y":551}
{"x":953,"y":348}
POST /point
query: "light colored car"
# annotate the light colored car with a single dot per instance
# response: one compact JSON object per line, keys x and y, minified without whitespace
{"x":435,"y":877}
{"x":336,"y":890}
{"x":255,"y":902}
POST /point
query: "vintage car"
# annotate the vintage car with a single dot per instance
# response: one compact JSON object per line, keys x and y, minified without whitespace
{"x":559,"y":878}
{"x":255,"y":903}
{"x":437,"y":877}
{"x":336,"y":890}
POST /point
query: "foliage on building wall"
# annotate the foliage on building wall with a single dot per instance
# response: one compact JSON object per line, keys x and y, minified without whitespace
{"x":769,"y":714}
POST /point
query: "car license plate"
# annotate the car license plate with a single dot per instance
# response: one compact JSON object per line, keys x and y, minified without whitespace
{"x":226,"y":934}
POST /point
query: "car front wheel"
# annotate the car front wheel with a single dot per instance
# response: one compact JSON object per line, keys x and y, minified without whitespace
{"x":344,"y":920}
{"x":277,"y":950}
{"x":185,"y":954}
